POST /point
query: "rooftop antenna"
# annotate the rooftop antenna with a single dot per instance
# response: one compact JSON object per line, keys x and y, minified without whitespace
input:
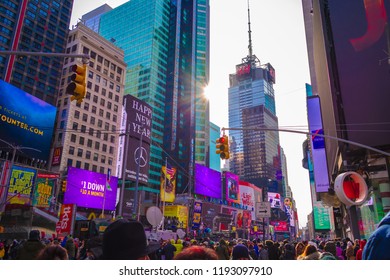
{"x":249,"y":33}
{"x":251,"y":58}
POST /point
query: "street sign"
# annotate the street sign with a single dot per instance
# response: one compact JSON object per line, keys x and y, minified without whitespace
{"x":263,"y":210}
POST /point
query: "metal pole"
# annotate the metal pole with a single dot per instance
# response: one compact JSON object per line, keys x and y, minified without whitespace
{"x":124,"y":166}
{"x":85,"y":56}
{"x":5,"y":193}
{"x":135,"y":209}
{"x":165,"y":185}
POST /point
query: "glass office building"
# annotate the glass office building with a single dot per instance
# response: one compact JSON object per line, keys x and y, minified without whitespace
{"x":166,"y":45}
{"x":254,"y":154}
{"x":34,"y":26}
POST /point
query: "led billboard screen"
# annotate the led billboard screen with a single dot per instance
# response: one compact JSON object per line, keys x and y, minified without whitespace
{"x":26,"y":121}
{"x":90,"y":189}
{"x":232,"y":187}
{"x":360,"y":32}
{"x":317,"y":144}
{"x":207,"y":181}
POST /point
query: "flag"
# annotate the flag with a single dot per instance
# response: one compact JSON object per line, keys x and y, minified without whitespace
{"x":169,"y":170}
{"x":108,"y":187}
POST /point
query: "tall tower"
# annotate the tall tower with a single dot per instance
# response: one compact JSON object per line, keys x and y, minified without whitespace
{"x":187,"y":119}
{"x":34,"y":26}
{"x":166,"y":45}
{"x":252,"y":104}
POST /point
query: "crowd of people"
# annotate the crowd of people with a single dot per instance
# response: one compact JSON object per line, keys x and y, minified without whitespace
{"x":126,"y":240}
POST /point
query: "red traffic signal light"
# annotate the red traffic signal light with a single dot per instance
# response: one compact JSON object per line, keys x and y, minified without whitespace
{"x":78,"y":86}
{"x":222,"y":147}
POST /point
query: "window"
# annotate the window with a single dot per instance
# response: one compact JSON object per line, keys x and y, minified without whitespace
{"x":108,"y":115}
{"x":111,"y":150}
{"x":95,"y":98}
{"x":88,"y":154}
{"x":85,"y":117}
{"x":112,"y":139}
{"x":81,"y":140}
{"x":86,"y":166}
{"x":95,"y":157}
{"x":106,"y":126}
{"x":101,"y":169}
{"x":73,"y":138}
{"x":75,"y":126}
{"x":100,"y":123}
{"x":90,"y":132}
{"x":100,"y":59}
{"x":76,"y":114}
{"x":94,"y":109}
{"x":109,"y":104}
{"x":79,"y":152}
{"x":94,"y":168}
{"x":89,"y":143}
{"x":78,"y":164}
{"x":83,"y":128}
{"x":104,"y":148}
{"x":71,"y":150}
{"x":103,"y":159}
{"x":97,"y":145}
{"x":101,"y":112}
{"x":97,"y":88}
{"x":92,"y":120}
{"x":102,"y":102}
{"x":105,"y":137}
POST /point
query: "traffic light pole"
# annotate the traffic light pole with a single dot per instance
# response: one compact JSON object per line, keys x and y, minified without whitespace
{"x":311,"y":134}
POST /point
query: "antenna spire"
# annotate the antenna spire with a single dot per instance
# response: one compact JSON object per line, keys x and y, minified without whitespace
{"x":249,"y":33}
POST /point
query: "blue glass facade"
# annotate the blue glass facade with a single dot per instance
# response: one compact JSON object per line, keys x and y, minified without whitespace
{"x":34,"y":26}
{"x":254,"y":154}
{"x":141,"y":29}
{"x":215,"y":160}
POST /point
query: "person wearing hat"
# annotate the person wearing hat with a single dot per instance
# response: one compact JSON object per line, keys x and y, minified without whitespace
{"x":126,"y":240}
{"x":32,"y":247}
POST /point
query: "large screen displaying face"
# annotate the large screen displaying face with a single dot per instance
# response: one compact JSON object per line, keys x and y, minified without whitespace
{"x":232,"y":187}
{"x":90,"y":189}
{"x":207,"y":181}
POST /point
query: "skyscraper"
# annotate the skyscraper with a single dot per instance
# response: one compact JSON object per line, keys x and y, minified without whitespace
{"x":34,"y":26}
{"x":166,"y":45}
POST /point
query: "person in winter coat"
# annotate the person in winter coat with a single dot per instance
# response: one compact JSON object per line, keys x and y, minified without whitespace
{"x":378,"y":244}
{"x":2,"y":251}
{"x":263,"y":252}
{"x":222,"y":250}
{"x":311,"y":253}
{"x":359,"y":253}
{"x":288,"y":252}
{"x":349,"y":252}
{"x":178,"y":246}
{"x":31,"y":248}
{"x":169,"y":250}
{"x":71,"y":248}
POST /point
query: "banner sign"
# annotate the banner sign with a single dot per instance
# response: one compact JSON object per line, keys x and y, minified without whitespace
{"x":197,"y":214}
{"x":21,"y":185}
{"x":168,"y":184}
{"x":66,"y":221}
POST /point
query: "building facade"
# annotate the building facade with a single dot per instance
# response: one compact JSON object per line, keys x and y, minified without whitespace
{"x":215,"y":160}
{"x":88,"y":134}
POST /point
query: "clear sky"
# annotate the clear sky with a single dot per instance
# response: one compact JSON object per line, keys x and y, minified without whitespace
{"x":278,"y":37}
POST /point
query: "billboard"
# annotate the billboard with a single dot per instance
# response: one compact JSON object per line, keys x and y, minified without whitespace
{"x":178,"y":211}
{"x":44,"y":190}
{"x":232,"y":187}
{"x":274,"y":200}
{"x":90,"y":189}
{"x":167,"y":183}
{"x":196,"y":217}
{"x":361,"y":37}
{"x":321,"y":216}
{"x":26,"y":121}
{"x":139,"y":125}
{"x":317,"y":144}
{"x":280,"y":226}
{"x":21,"y":185}
{"x":207,"y":182}
{"x":249,"y":196}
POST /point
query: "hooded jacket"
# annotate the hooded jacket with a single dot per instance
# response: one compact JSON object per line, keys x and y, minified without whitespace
{"x":359,"y":253}
{"x":30,"y":250}
{"x":378,"y":245}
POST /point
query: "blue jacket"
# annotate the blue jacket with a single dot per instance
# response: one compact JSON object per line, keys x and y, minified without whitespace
{"x":378,"y":245}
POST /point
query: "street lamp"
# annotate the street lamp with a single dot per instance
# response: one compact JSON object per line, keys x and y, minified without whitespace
{"x":138,"y":159}
{"x":3,"y":199}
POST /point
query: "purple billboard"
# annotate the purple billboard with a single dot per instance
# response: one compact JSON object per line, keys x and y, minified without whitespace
{"x":90,"y":189}
{"x":207,"y":181}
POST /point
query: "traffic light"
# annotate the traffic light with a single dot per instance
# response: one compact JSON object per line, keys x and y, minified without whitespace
{"x":63,"y":189}
{"x":222,"y":146}
{"x":78,"y":86}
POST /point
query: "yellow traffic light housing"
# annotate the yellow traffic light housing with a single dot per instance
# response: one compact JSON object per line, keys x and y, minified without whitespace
{"x":222,"y":147}
{"x":78,"y":87}
{"x":63,"y":189}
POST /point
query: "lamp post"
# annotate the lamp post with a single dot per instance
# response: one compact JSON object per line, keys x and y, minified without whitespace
{"x":3,"y":199}
{"x":124,"y":165}
{"x":138,"y":159}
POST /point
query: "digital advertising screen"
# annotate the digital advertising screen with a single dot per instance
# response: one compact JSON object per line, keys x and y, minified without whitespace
{"x":207,"y":182}
{"x":26,"y":121}
{"x":21,"y":184}
{"x":274,"y":200}
{"x":232,"y":187}
{"x":90,"y":189}
{"x":361,"y":37}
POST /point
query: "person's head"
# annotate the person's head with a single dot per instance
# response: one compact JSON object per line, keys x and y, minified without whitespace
{"x":53,"y":252}
{"x":126,"y":240}
{"x":310,"y":249}
{"x":240,"y":252}
{"x":34,"y":235}
{"x":197,"y":253}
{"x":299,"y":248}
{"x":330,"y":247}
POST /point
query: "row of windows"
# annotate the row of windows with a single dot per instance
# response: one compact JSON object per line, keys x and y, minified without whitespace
{"x":86,"y":166}
{"x":100,"y":59}
{"x":88,"y":155}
